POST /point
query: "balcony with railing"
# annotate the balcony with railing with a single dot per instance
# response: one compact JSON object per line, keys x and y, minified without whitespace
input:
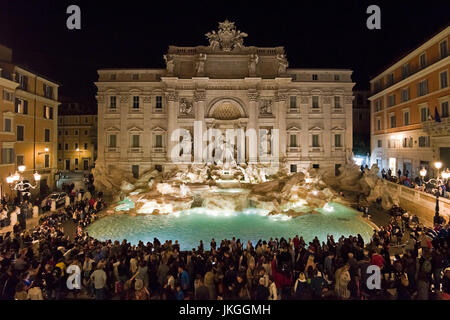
{"x":434,"y":128}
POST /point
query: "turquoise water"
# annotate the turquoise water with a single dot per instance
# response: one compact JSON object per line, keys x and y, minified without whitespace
{"x":191,"y":226}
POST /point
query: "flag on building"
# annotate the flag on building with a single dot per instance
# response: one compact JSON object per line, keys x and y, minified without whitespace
{"x":436,"y":115}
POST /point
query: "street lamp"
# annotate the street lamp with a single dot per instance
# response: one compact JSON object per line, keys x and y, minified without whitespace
{"x":439,"y":181}
{"x":20,"y":185}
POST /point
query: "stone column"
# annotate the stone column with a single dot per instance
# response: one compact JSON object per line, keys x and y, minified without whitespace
{"x":123,"y":137}
{"x":327,"y":134}
{"x":147,"y":143}
{"x":101,"y":138}
{"x":252,"y":134}
{"x":281,"y":109}
{"x":172,"y":110}
{"x":200,"y":128}
{"x":348,"y":109}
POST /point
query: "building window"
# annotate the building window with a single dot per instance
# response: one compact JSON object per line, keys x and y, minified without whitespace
{"x":424,"y":142}
{"x":47,"y":135}
{"x":336,"y":77}
{"x":378,"y":105}
{"x":392,"y":118}
{"x":76,"y":146}
{"x":380,"y":143}
{"x":444,"y":109}
{"x":59,"y":146}
{"x":135,"y":141}
{"x":337,"y":141}
{"x":422,"y":88}
{"x":315,"y":102}
{"x":443,"y":76}
{"x":7,"y":125}
{"x":293,"y":168}
{"x":48,"y":112}
{"x":112,"y":102}
{"x":21,"y":106}
{"x":112,"y":141}
{"x":48,"y":91}
{"x":405,"y":94}
{"x":20,"y":133}
{"x":85,"y":146}
{"x":378,"y":124}
{"x":315,"y":77}
{"x":337,"y":102}
{"x":391,"y":100}
{"x":23,"y":81}
{"x":293,"y":102}
{"x":406,"y":118}
{"x":158,"y":102}
{"x":422,"y":61}
{"x":405,"y":70}
{"x":66,"y":146}
{"x":7,"y":155}
{"x":390,"y":79}
{"x":315,"y":140}
{"x":76,"y":132}
{"x":316,"y":166}
{"x":424,"y":113}
{"x":8,"y":95}
{"x":135,"y":171}
{"x":47,"y":161}
{"x":66,"y":133}
{"x":136,"y":102}
{"x":20,"y":160}
{"x":293,"y":140}
{"x":158,"y":143}
{"x":443,"y":49}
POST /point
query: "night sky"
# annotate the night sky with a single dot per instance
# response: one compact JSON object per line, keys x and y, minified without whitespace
{"x":136,"y":34}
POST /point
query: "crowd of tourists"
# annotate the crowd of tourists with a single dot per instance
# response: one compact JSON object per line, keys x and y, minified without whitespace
{"x":36,"y":264}
{"x":417,"y":183}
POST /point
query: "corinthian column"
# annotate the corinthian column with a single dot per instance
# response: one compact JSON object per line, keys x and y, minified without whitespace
{"x":252,"y":135}
{"x":172,"y":99}
{"x":200,"y":126}
{"x":281,"y":107}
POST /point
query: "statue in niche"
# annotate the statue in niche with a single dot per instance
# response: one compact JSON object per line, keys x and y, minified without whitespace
{"x":266,"y":107}
{"x":200,"y":65}
{"x":185,"y":107}
{"x":252,"y":64}
{"x":169,"y":63}
{"x":282,"y":63}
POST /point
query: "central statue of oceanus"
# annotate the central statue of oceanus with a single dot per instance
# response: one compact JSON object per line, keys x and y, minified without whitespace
{"x":227,"y":38}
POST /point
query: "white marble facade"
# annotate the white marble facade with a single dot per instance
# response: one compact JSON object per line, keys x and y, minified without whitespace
{"x":224,"y":85}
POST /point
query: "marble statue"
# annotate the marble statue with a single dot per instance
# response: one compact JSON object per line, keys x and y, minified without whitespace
{"x":254,"y":59}
{"x":282,"y":63}
{"x":169,"y":63}
{"x":227,"y":38}
{"x":200,"y":65}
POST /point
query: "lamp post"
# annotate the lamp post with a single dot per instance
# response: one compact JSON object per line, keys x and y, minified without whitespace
{"x":20,"y":185}
{"x":439,"y":181}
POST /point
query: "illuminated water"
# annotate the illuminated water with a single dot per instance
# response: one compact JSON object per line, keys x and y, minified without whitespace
{"x":191,"y":226}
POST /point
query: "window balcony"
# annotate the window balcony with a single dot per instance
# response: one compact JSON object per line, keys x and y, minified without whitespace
{"x":135,"y":150}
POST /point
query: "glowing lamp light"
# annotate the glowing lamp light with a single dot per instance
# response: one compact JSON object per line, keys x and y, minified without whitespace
{"x":78,"y":149}
{"x":315,"y":192}
{"x":446,"y":174}
{"x":16,"y":177}
{"x":21,"y":168}
{"x":308,"y":180}
{"x":37,"y":176}
{"x":10,"y":179}
{"x":423,"y":172}
{"x":46,"y":149}
{"x":438,"y":165}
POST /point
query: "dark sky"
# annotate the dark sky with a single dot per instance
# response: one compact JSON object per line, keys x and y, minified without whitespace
{"x":118,"y":34}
